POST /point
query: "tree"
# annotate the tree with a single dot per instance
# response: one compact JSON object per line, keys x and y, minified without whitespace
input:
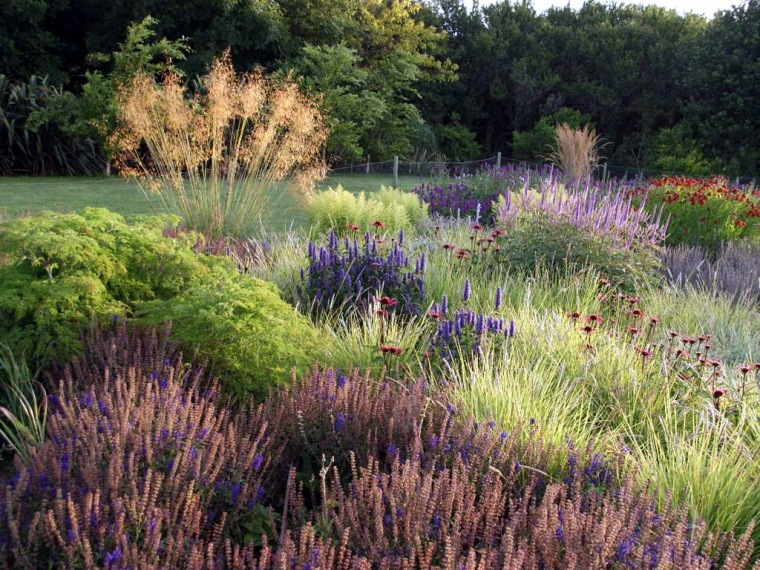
{"x":723,"y":81}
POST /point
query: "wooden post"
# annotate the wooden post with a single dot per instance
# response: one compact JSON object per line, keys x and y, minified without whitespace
{"x":395,"y":171}
{"x":604,"y":173}
{"x":498,"y":159}
{"x":367,"y":164}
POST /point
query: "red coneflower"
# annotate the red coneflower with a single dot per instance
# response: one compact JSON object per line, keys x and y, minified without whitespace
{"x":633,"y":330}
{"x":632,"y":300}
{"x":382,"y":312}
{"x":673,"y":334}
{"x":388,"y":302}
{"x":588,"y":329}
{"x":718,"y":393}
{"x":574,"y":315}
{"x":594,"y":319}
{"x":745,"y":368}
{"x":388,"y":349}
{"x":644,"y":352}
{"x":435,"y":314}
{"x":352,"y":227}
{"x":497,"y":232}
{"x":638,"y":313}
{"x":603,"y":281}
{"x":378,"y":224}
{"x":654,"y":321}
{"x":462,"y":254}
{"x":476,"y":227}
{"x":448,"y":246}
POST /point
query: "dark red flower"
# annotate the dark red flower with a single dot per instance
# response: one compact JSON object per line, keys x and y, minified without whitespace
{"x":575,"y":315}
{"x":388,"y":349}
{"x":352,"y":227}
{"x":718,"y":393}
{"x":476,"y":227}
{"x":388,"y":302}
{"x":594,"y":319}
{"x":378,"y":224}
{"x":436,"y":315}
{"x":588,"y":329}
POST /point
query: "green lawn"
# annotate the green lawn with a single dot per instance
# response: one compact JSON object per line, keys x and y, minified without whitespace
{"x":26,"y":195}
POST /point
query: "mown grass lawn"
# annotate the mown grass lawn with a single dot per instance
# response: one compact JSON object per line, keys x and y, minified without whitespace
{"x":27,"y":195}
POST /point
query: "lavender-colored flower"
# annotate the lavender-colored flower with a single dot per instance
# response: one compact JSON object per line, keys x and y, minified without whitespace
{"x":467,"y":292}
{"x":340,"y":422}
{"x":392,"y":451}
{"x":498,"y":300}
{"x":257,"y":461}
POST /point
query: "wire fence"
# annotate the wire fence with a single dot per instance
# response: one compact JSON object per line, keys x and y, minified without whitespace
{"x":431,"y":168}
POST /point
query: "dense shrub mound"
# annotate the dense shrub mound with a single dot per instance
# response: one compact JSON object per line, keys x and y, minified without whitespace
{"x":145,"y":469}
{"x":64,"y":271}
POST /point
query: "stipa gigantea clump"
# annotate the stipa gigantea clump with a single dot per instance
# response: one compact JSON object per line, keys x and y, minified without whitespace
{"x":221,"y":156}
{"x":577,"y":150}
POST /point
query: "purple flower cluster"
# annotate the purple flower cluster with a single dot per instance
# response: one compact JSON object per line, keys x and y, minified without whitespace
{"x":455,"y":199}
{"x":603,"y":212}
{"x":463,"y":333}
{"x":346,"y":276}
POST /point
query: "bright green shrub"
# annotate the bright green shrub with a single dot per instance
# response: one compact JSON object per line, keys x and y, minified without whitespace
{"x":250,"y":336}
{"x":339,"y":209}
{"x":62,"y":271}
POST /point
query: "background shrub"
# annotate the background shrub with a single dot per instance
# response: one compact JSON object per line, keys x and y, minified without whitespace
{"x":563,"y":247}
{"x":251,"y":337}
{"x":340,"y":210}
{"x":704,"y":212}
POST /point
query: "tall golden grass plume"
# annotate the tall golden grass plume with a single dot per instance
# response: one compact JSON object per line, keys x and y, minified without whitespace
{"x":576,"y":150}
{"x":220,"y":156}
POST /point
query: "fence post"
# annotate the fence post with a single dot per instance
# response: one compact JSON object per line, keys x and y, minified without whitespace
{"x":395,"y":171}
{"x":367,"y":164}
{"x":604,"y":173}
{"x":498,"y":159}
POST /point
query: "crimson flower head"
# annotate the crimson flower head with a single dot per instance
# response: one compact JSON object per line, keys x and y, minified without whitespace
{"x":448,"y":246}
{"x":476,"y":227}
{"x":594,"y":319}
{"x":497,"y":232}
{"x":378,"y":224}
{"x":588,"y":329}
{"x":352,"y":227}
{"x":388,"y":302}
{"x":574,"y":315}
{"x":435,"y":314}
{"x":462,"y":254}
{"x":757,"y":365}
{"x":654,"y":320}
{"x":745,"y":368}
{"x":638,"y":313}
{"x":382,"y":312}
{"x":718,"y":393}
{"x":388,"y":349}
{"x":673,"y":334}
